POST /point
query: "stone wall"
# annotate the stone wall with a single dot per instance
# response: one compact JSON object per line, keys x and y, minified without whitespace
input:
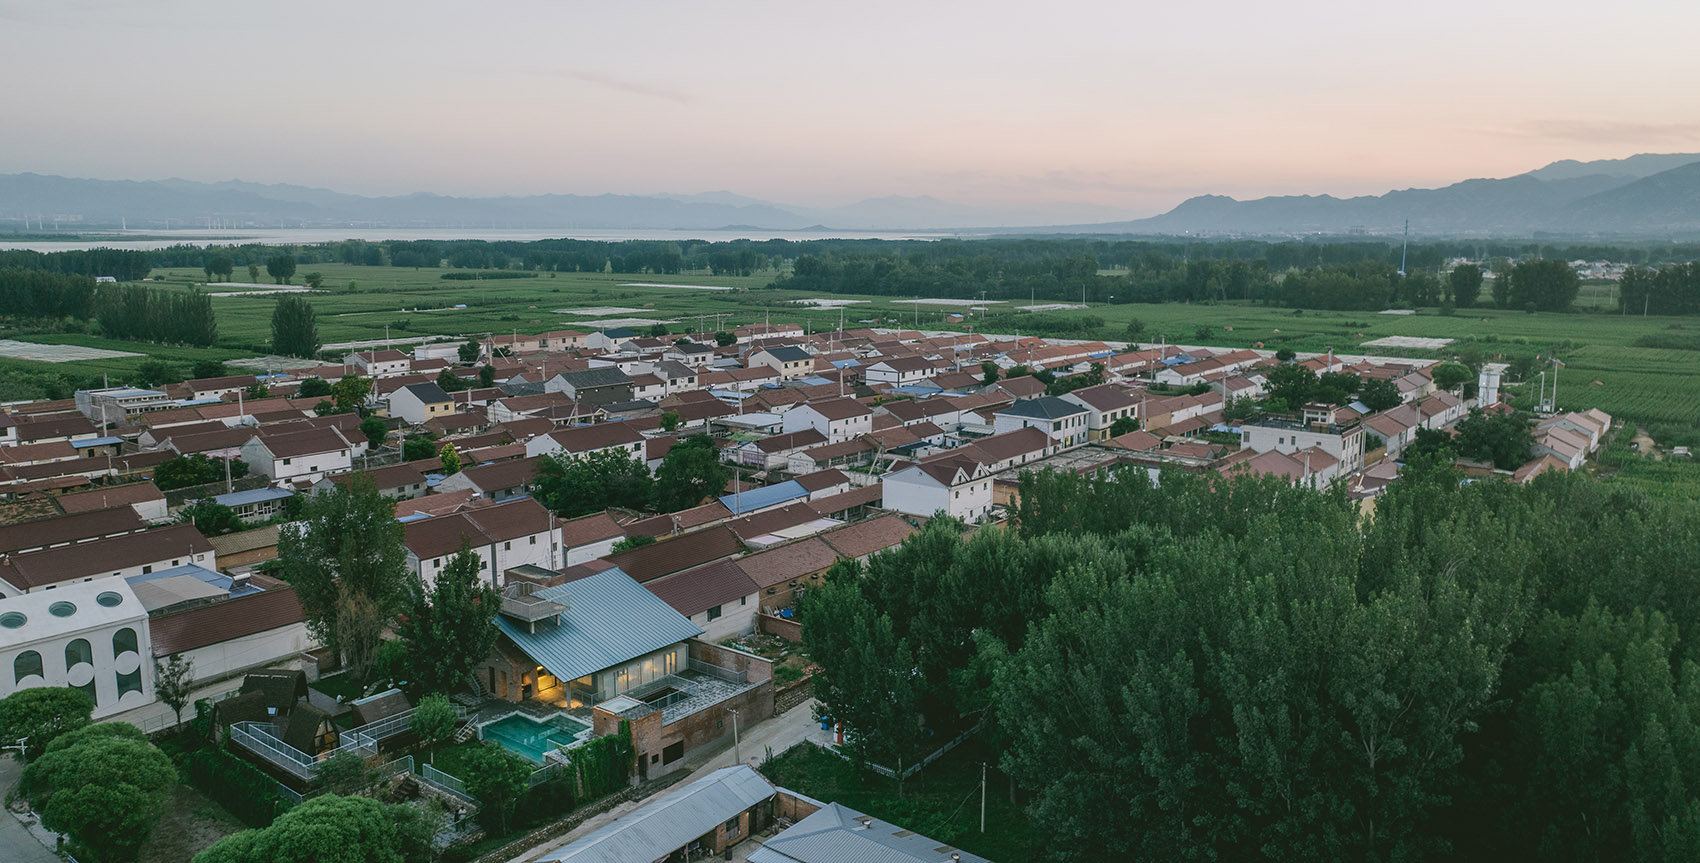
{"x":755,"y":667}
{"x":792,"y":694}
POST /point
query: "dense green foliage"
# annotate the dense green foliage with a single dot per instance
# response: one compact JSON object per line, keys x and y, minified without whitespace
{"x":210,"y":517}
{"x":450,"y":623}
{"x":1542,"y":285}
{"x":295,"y":329}
{"x":123,"y":265}
{"x":1672,"y":290}
{"x":146,"y":314}
{"x":42,"y":714}
{"x":332,"y":829}
{"x":195,"y":469}
{"x":41,"y":294}
{"x":103,"y":786}
{"x":1212,"y":669}
{"x":433,"y":720}
{"x":345,"y":559}
{"x":579,"y":485}
{"x":239,"y":787}
{"x":691,"y":470}
{"x":497,"y":778}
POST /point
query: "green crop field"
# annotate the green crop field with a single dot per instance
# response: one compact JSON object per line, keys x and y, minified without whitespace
{"x":358,"y":303}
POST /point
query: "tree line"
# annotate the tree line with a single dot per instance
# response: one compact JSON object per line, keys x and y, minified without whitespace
{"x":46,"y":294}
{"x":121,"y":264}
{"x":1239,"y":669}
{"x":149,"y":314}
{"x":1671,"y":290}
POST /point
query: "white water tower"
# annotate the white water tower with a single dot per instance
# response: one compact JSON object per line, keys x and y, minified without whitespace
{"x":1487,"y":385}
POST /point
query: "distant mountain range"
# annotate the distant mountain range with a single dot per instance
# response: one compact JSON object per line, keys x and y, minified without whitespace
{"x":238,"y":204}
{"x":1644,"y":195}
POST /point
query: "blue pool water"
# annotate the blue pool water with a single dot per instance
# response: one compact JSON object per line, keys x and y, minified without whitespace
{"x":530,"y":737}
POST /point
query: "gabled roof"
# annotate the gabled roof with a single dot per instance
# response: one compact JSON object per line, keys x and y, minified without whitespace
{"x":595,"y":436}
{"x":76,"y":527}
{"x":765,"y":496}
{"x":112,"y":495}
{"x":601,"y":376}
{"x":200,"y":626}
{"x":866,"y":537}
{"x":608,"y":619}
{"x":103,"y":556}
{"x":429,"y":393}
{"x":837,"y":409}
{"x":301,"y":443}
{"x":670,"y":822}
{"x":782,"y":563}
{"x":787,"y":354}
{"x":838,"y":834}
{"x":677,"y":553}
{"x":820,"y":479}
{"x":696,"y":590}
{"x":1043,"y":407}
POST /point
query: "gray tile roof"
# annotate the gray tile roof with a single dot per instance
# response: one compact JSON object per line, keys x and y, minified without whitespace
{"x":1044,"y":407}
{"x":671,"y":822}
{"x":609,"y":619}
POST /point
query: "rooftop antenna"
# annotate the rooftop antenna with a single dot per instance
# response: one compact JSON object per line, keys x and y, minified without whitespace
{"x":1406,"y":248}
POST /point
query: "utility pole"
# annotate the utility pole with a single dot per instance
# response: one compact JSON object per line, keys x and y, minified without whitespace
{"x":737,"y":753}
{"x":982,"y":797}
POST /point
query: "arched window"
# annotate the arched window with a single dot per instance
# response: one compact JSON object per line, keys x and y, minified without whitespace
{"x":123,"y":641}
{"x":131,"y":682}
{"x":27,"y":664}
{"x":77,"y":653}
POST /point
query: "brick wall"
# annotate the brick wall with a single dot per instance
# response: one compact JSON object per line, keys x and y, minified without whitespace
{"x":796,"y":807}
{"x":756,"y":668}
{"x":790,"y":630}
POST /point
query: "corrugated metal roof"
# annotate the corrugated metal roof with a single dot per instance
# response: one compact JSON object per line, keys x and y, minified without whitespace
{"x":258,"y":495}
{"x":609,"y":619}
{"x":671,"y":822}
{"x":834,"y":835}
{"x":764,"y":497}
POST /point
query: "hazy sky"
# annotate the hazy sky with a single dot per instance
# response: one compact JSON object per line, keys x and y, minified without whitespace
{"x":1133,"y":105}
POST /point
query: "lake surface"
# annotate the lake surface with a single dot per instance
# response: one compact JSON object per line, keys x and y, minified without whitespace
{"x":155,"y":239}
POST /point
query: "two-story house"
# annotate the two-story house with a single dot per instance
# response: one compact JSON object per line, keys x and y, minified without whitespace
{"x":1064,"y":421}
{"x":838,"y":419}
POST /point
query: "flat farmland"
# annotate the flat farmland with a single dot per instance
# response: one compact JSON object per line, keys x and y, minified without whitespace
{"x":358,"y":303}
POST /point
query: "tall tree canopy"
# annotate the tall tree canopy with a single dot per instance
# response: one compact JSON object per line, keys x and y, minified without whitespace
{"x":690,"y":471}
{"x":345,"y":559}
{"x":295,"y":330}
{"x":450,"y":624}
{"x":332,"y":829}
{"x":579,"y":485}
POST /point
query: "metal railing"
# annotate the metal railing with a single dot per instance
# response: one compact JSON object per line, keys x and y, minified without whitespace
{"x":550,"y":771}
{"x":446,"y":783}
{"x":261,"y":739}
{"x":726,"y":674}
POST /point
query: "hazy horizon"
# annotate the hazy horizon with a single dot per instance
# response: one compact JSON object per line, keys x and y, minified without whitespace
{"x":983,"y":104}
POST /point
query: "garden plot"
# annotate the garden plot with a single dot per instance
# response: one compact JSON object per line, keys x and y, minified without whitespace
{"x":1407,"y":342}
{"x":57,"y":353}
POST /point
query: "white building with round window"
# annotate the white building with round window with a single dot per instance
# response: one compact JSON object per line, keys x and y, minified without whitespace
{"x":92,"y":636}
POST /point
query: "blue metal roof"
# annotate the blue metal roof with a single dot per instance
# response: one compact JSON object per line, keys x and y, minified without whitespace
{"x":609,"y":619}
{"x":815,"y":381}
{"x":918,"y":389}
{"x":216,"y":579}
{"x":97,"y":441}
{"x":258,"y":495}
{"x":762,"y":498}
{"x":846,"y":364}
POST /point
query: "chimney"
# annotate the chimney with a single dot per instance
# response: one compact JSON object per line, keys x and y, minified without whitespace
{"x":866,"y":821}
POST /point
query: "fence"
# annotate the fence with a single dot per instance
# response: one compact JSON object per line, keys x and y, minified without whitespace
{"x":261,"y":739}
{"x":726,"y":674}
{"x":160,"y":723}
{"x":552,"y":770}
{"x":446,"y":783}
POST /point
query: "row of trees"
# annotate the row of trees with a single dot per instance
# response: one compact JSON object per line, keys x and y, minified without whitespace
{"x":123,"y":265}
{"x":1240,"y":669}
{"x":45,"y":294}
{"x":1672,"y":290}
{"x":156,"y":315}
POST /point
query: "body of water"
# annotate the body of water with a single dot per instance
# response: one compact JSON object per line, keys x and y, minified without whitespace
{"x":155,"y":239}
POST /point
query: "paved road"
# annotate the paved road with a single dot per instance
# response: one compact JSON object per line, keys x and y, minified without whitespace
{"x":17,"y":845}
{"x":780,"y":733}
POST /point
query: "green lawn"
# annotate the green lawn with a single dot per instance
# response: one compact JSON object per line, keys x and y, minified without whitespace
{"x":941,"y":802}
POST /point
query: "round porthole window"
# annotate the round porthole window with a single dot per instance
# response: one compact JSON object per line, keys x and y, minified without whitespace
{"x":61,"y":609}
{"x":109,"y":599}
{"x":13,"y":619}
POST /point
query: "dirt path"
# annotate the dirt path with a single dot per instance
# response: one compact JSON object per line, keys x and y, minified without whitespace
{"x":1645,"y":445}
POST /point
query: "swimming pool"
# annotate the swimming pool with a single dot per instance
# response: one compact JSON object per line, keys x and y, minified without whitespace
{"x":531,"y":737}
